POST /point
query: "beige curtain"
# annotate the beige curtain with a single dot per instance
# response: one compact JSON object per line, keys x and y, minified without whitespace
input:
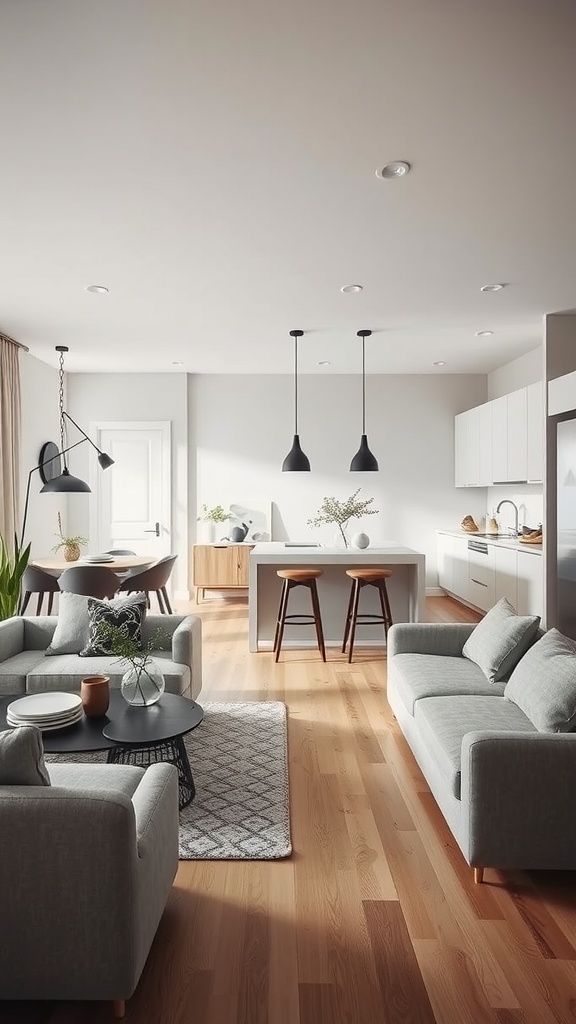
{"x":10,"y":412}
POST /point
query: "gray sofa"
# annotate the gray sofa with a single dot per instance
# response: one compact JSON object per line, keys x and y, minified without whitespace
{"x":86,"y":866}
{"x":505,"y":789}
{"x":24,"y":668}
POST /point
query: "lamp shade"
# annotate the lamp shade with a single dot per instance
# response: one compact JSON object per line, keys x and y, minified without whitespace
{"x":296,"y":461}
{"x":105,"y":460}
{"x":364,"y":461}
{"x":65,"y":484}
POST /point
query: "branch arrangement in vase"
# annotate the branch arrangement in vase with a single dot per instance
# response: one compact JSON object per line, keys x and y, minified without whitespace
{"x":124,"y":647}
{"x":337,"y":512}
{"x":71,"y":545}
{"x":214,"y":514}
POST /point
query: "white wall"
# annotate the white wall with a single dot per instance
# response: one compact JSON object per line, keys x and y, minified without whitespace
{"x":521,"y":372}
{"x":241,"y":429}
{"x":40,"y":423}
{"x":95,"y":397}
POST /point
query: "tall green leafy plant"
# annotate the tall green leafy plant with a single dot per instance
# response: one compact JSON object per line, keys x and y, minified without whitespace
{"x":12,"y":568}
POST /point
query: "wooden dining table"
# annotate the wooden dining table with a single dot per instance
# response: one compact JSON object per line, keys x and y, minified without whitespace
{"x":119,"y":564}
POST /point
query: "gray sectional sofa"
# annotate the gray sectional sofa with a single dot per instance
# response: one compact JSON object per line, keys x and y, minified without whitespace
{"x":25,"y":668}
{"x":506,"y":788}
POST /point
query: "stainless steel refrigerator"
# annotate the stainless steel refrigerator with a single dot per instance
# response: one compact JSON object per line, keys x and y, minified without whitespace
{"x":566,"y":526}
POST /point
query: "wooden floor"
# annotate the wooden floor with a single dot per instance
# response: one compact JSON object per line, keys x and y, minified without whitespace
{"x":375,"y":918}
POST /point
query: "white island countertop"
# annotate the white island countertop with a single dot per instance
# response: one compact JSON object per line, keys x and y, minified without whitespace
{"x":406,"y":589}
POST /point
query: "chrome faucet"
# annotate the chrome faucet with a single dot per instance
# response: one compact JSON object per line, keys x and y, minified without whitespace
{"x":506,"y":501}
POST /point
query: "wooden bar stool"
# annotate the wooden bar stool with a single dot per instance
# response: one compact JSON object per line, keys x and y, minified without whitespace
{"x":298,"y":578}
{"x":366,"y":578}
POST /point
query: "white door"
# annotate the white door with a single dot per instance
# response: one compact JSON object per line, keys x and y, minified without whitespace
{"x":130,"y":505}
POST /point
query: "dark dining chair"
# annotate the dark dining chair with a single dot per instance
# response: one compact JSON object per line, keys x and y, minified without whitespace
{"x":155,"y":577}
{"x":120,"y":551}
{"x":89,"y":580}
{"x":36,"y":581}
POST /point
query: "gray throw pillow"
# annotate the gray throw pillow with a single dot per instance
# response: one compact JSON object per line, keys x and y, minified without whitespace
{"x":543,"y":684}
{"x":500,"y":639}
{"x":73,"y":626}
{"x":22,"y":757}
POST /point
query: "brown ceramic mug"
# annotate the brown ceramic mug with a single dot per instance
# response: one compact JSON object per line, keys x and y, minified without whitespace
{"x":95,"y":694}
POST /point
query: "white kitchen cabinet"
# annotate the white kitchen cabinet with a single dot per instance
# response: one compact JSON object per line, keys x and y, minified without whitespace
{"x":480,"y":587}
{"x":535,"y":433}
{"x":453,"y":564}
{"x":506,"y":582}
{"x":516,"y":436}
{"x":499,"y":439}
{"x":530,"y":572}
{"x":467,"y":448}
{"x":485,"y":444}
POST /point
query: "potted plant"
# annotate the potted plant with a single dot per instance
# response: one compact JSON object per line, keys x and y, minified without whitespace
{"x":71,"y":545}
{"x":143,"y":682}
{"x":12,"y":569}
{"x":209,"y":517}
{"x":341,"y":512}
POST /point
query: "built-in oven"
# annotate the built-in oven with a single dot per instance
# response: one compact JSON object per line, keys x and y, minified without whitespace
{"x":481,"y":574}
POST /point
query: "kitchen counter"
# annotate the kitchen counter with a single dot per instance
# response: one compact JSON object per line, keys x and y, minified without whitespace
{"x":406,"y":590}
{"x":500,"y":540}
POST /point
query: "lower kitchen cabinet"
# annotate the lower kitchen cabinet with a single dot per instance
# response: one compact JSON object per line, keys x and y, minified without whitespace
{"x":220,"y":566}
{"x":480,"y":573}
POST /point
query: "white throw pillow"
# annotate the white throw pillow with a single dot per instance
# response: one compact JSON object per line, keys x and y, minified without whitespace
{"x":73,"y":626}
{"x":543,"y":684}
{"x":500,"y":639}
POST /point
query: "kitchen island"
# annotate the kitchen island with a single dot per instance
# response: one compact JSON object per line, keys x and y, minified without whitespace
{"x":406,"y":590}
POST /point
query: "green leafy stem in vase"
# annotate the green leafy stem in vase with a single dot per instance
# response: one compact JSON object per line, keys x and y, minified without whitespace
{"x":123,"y":647}
{"x":341,"y":512}
{"x":216,"y":514}
{"x":66,"y":542}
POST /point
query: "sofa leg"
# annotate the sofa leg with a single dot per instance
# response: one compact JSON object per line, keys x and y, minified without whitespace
{"x":119,"y":1008}
{"x":478,"y":875}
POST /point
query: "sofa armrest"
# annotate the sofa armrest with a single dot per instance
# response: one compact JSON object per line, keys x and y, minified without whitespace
{"x":517,"y":792}
{"x":444,"y":638}
{"x":187,"y":650}
{"x":11,"y":637}
{"x":155,"y":803}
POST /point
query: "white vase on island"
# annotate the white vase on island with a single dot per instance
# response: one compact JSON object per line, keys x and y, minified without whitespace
{"x":360,"y":540}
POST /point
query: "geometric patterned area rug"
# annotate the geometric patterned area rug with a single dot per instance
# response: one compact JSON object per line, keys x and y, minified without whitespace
{"x":239,"y":761}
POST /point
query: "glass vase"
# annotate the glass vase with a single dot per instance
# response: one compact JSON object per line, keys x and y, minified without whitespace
{"x":340,"y":539}
{"x":142,"y":684}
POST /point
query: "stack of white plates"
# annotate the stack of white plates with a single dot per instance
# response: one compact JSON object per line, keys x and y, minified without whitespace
{"x":98,"y":558}
{"x":45,"y":710}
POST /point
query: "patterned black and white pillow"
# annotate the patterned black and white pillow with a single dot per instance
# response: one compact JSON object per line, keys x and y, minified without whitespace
{"x":128,"y":617}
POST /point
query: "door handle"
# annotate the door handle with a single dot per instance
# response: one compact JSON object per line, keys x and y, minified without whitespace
{"x":156,"y":529}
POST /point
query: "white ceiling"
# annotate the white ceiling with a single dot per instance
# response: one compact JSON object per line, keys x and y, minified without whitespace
{"x":213,"y":163}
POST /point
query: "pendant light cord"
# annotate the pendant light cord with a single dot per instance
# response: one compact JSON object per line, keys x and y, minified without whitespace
{"x":295,"y":385}
{"x":364,"y":385}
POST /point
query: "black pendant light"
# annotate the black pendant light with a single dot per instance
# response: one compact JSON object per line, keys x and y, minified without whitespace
{"x":296,"y":461}
{"x":364,"y":461}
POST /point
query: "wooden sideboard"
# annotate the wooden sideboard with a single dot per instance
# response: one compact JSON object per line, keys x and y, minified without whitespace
{"x":220,"y":567}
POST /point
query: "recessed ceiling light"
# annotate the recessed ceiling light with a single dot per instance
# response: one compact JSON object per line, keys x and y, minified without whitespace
{"x":484,"y":334}
{"x":347,"y":288}
{"x":397,"y":169}
{"x":324,"y":362}
{"x":492,"y":287}
{"x":177,"y":362}
{"x":440,"y":362}
{"x":97,"y":289}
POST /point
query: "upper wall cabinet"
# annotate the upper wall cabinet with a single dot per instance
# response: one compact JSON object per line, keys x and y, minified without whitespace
{"x":501,"y":441}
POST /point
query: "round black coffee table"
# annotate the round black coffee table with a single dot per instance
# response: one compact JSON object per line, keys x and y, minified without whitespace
{"x":131,"y":735}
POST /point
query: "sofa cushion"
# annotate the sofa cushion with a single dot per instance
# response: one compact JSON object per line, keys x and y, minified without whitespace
{"x":543,"y":684}
{"x":22,"y":757}
{"x":13,"y":671}
{"x":435,"y":675}
{"x":500,"y":639}
{"x":106,"y":778}
{"x":67,"y":672}
{"x":444,"y":721}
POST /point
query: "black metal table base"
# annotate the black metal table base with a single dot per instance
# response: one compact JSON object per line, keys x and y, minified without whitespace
{"x":172,"y":751}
